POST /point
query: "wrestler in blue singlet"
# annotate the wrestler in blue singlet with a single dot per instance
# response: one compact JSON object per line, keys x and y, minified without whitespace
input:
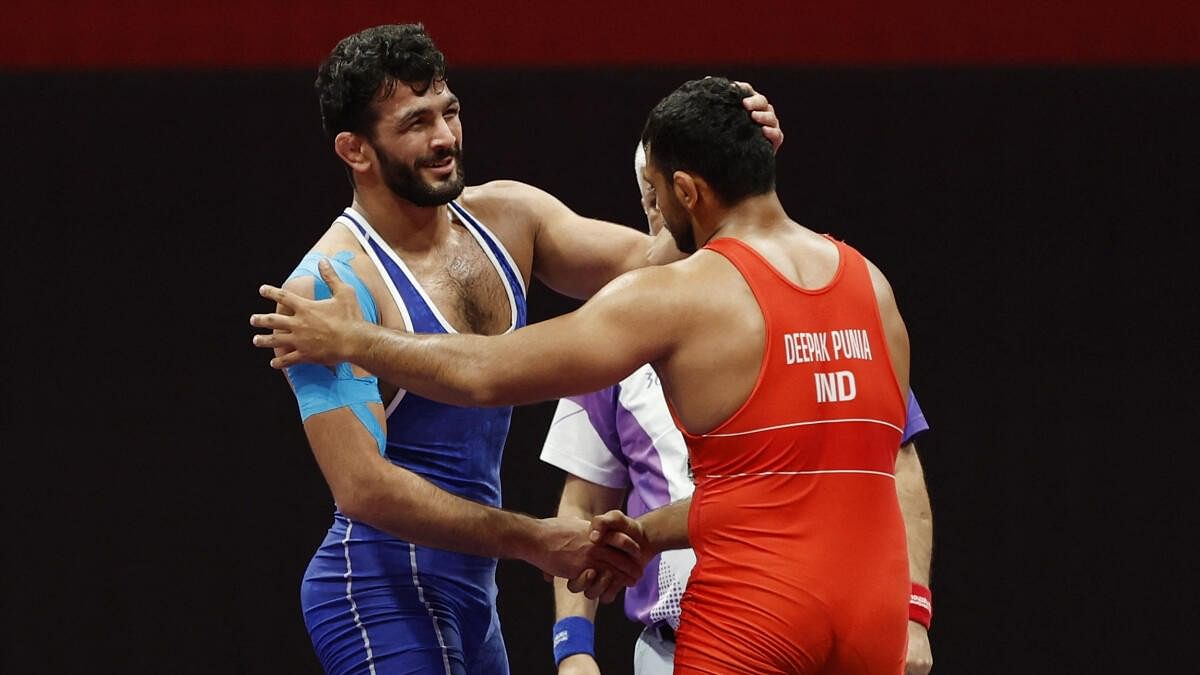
{"x":375,"y":604}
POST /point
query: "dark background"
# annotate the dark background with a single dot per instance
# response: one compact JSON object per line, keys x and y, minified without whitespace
{"x":1036,"y":222}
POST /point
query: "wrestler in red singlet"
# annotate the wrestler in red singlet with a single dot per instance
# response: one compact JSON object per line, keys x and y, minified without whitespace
{"x":801,"y":554}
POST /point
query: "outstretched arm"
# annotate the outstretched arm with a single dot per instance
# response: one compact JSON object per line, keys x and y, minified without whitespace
{"x":627,"y":324}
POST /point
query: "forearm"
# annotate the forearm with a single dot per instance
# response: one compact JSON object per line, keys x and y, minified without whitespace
{"x":917,"y":513}
{"x":409,"y":507}
{"x":666,"y":528}
{"x":578,"y":256}
{"x":369,"y":488}
{"x":597,"y":345}
{"x":463,"y":370}
{"x":567,"y":603}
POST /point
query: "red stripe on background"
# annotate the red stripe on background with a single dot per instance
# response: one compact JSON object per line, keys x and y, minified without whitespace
{"x":278,"y":33}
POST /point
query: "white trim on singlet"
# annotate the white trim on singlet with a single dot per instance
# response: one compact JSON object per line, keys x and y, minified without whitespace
{"x":412,"y":279}
{"x":499,"y":244}
{"x":799,"y":473}
{"x":412,"y":559}
{"x":801,"y":424}
{"x":471,"y":223}
{"x":353,"y":605}
{"x":387,"y":280}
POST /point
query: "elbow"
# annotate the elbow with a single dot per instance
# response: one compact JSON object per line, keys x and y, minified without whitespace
{"x":362,"y":499}
{"x":481,"y":372}
{"x":486,"y":395}
{"x":483,"y":386}
{"x":470,"y":390}
{"x":355,"y":504}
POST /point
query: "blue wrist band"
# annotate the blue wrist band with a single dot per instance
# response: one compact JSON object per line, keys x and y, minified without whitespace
{"x":573,"y":635}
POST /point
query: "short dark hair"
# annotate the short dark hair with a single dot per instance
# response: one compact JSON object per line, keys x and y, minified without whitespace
{"x":703,"y":128}
{"x":367,"y":65}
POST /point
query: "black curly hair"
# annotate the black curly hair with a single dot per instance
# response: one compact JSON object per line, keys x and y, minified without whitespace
{"x":702,"y":127}
{"x":366,"y":67}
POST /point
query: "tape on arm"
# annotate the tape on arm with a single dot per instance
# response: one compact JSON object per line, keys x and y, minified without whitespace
{"x":320,"y":388}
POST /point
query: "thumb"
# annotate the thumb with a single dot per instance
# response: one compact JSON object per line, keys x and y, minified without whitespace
{"x":336,"y":285}
{"x":606,"y":522}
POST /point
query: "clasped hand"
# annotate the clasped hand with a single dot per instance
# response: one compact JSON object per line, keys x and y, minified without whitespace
{"x":606,"y":555}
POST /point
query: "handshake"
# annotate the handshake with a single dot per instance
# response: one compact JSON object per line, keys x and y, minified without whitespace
{"x":598,"y":558}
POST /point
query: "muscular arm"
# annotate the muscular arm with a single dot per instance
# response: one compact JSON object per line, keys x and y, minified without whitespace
{"x":577,"y":256}
{"x":627,"y":324}
{"x":368,"y":488}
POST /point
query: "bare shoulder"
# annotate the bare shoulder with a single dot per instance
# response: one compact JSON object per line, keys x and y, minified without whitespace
{"x":508,"y":200}
{"x":893,"y":324}
{"x":682,"y":289}
{"x":514,"y":211}
{"x":654,"y":308}
{"x":337,"y":242}
{"x":502,"y":190}
{"x":883,"y":288}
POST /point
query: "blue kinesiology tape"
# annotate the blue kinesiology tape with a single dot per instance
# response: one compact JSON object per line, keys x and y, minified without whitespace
{"x":321,"y":388}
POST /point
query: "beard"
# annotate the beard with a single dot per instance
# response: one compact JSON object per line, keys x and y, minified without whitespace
{"x":684,"y":236}
{"x":406,"y":183}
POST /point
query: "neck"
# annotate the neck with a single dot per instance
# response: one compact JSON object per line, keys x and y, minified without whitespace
{"x":752,"y":214}
{"x":402,"y":224}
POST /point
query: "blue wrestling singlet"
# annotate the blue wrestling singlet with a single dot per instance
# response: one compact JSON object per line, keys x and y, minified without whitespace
{"x":374,"y":604}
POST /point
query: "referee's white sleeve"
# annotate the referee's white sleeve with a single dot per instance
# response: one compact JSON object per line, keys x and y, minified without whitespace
{"x":574,"y":445}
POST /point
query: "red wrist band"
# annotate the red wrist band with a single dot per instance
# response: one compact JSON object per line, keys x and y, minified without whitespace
{"x":920,"y":605}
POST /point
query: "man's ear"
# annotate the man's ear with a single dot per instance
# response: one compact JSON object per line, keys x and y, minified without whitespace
{"x":686,"y":189}
{"x":354,"y":151}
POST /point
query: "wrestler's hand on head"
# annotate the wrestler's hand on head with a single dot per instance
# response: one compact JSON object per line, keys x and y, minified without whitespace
{"x":763,"y":112}
{"x":563,"y":548}
{"x":316,"y":331}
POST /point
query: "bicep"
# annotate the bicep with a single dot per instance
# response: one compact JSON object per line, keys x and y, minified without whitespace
{"x":346,"y":449}
{"x":576,"y":256}
{"x":344,"y":389}
{"x":893,"y":326}
{"x":306,"y":282}
{"x":620,"y":329}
